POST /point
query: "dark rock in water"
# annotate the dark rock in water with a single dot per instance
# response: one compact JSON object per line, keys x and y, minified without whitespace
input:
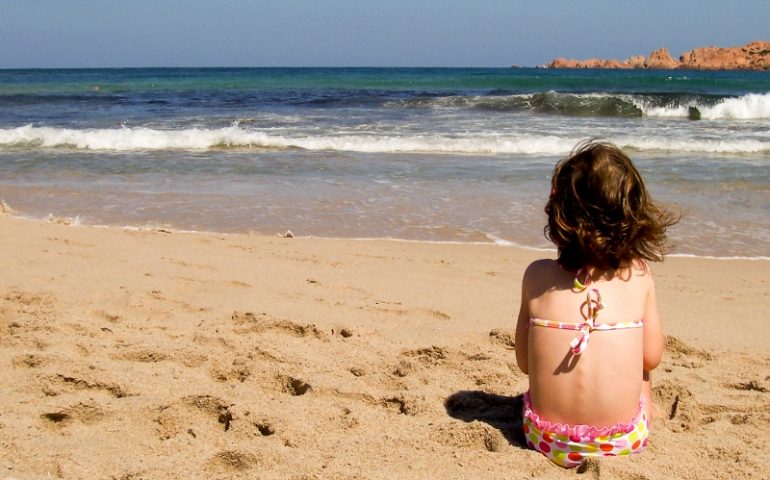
{"x":693,"y":113}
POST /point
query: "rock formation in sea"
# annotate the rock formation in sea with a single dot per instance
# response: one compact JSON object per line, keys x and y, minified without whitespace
{"x":752,"y":56}
{"x":660,"y":59}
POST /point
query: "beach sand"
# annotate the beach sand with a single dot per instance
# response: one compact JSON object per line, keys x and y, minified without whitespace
{"x":152,"y":354}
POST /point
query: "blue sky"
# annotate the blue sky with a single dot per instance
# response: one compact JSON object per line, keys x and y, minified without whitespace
{"x":484,"y":33}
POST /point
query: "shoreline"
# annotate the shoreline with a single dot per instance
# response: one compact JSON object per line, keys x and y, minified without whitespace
{"x":499,"y":242}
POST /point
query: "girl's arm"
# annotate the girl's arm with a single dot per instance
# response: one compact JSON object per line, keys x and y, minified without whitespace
{"x":653,"y":334}
{"x":522,"y":328}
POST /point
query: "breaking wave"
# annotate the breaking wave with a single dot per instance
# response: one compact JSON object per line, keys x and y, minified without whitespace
{"x":138,"y":139}
{"x":570,"y":104}
{"x":237,"y":137}
{"x":753,"y":106}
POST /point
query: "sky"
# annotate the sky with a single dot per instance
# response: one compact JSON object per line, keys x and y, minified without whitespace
{"x":429,"y":33}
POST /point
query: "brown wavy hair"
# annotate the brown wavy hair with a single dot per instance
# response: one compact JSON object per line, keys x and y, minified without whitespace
{"x":599,"y":212}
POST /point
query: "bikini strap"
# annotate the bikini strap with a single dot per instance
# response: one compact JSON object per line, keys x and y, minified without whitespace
{"x":593,"y":305}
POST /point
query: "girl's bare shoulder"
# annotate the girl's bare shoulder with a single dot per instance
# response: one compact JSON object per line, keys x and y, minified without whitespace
{"x":539,"y":268}
{"x":543,"y":264}
{"x":545,"y":274}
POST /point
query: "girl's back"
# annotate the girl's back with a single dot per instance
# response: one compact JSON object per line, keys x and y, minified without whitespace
{"x":601,"y":385}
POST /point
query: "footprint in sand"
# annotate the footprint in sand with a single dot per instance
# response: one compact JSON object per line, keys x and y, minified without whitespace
{"x":29,"y":360}
{"x":249,"y":322}
{"x":23,"y":315}
{"x":434,"y":356}
{"x":142,"y":355}
{"x":414,"y":360}
{"x":231,"y":461}
{"x":504,"y":337}
{"x":192,"y":359}
{"x":402,"y":404}
{"x":404,"y":368}
{"x":410,"y":405}
{"x":238,"y":369}
{"x":430,"y":356}
{"x":83,"y":412}
{"x":195,"y":415}
{"x":56,"y":384}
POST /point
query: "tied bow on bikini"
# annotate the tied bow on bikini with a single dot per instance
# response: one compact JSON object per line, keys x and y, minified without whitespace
{"x":593,"y":304}
{"x":589,"y":310}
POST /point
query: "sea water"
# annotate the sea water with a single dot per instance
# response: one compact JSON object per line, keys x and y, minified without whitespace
{"x":425,"y":154}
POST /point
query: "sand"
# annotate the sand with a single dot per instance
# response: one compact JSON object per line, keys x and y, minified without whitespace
{"x":153,"y":354}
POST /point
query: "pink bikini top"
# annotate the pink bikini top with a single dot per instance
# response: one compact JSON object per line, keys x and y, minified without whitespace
{"x":592,"y":306}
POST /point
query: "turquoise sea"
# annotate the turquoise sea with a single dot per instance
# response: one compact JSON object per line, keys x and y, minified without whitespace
{"x":424,"y":154}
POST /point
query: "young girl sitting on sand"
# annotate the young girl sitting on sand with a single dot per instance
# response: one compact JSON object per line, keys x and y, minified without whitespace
{"x":588,"y":332}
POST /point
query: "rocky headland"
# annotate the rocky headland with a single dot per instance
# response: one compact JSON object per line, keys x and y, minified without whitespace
{"x":752,"y":56}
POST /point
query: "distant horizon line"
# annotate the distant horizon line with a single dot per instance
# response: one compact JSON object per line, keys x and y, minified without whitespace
{"x":513,"y":66}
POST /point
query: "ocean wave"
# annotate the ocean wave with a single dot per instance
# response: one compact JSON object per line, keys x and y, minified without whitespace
{"x":568,"y":104}
{"x":752,"y":106}
{"x":685,"y":145}
{"x":237,"y":137}
{"x":138,"y":139}
{"x":747,"y":107}
{"x":669,"y":105}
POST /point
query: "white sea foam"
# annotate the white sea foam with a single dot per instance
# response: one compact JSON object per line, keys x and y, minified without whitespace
{"x":689,"y":146}
{"x":146,"y":139}
{"x":665,"y":112}
{"x":138,"y":139}
{"x":753,"y":106}
{"x":131,"y":138}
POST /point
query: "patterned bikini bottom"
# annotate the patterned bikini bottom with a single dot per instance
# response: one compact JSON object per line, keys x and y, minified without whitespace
{"x":567,"y":445}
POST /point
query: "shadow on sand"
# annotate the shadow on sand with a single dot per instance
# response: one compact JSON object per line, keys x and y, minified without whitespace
{"x":499,"y":411}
